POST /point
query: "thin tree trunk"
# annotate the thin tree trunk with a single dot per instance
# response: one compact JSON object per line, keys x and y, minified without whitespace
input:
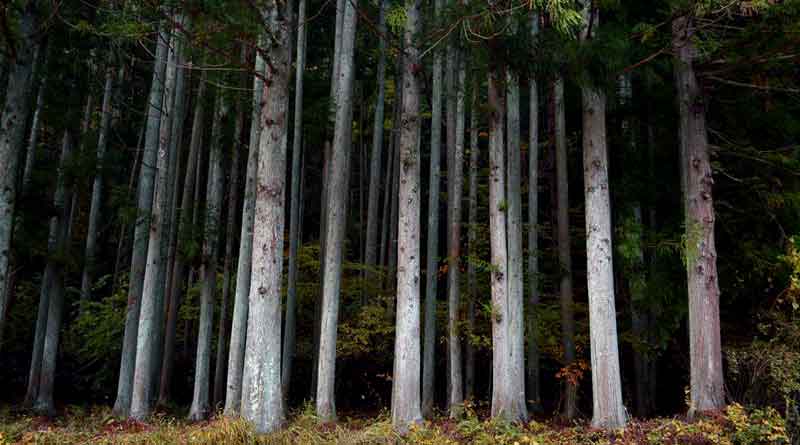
{"x":432,"y":255}
{"x":122,"y":404}
{"x":41,"y":383}
{"x":241,"y":305}
{"x":12,"y":133}
{"x":706,"y":382}
{"x":533,"y":390}
{"x":262,"y":402}
{"x":124,"y":228}
{"x":153,"y":288}
{"x":97,"y":188}
{"x":472,"y":282}
{"x":406,"y":408}
{"x":30,"y":157}
{"x":564,"y":255}
{"x":516,"y":290}
{"x":388,"y":195}
{"x":288,"y":349}
{"x":376,"y":157}
{"x":223,"y":338}
{"x":200,"y":408}
{"x":455,"y":192}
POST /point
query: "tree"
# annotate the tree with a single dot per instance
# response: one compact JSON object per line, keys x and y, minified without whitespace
{"x":608,"y":411}
{"x":472,"y":235}
{"x":706,"y":382}
{"x":335,"y":218}
{"x":262,"y":401}
{"x":406,"y":409}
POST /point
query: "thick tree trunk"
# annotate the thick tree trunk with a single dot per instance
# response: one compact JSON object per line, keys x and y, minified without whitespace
{"x":287,"y":356}
{"x":153,"y":288}
{"x":97,"y":188}
{"x":42,"y":380}
{"x":564,"y":250}
{"x":707,"y":387}
{"x":472,"y":282}
{"x":432,"y":255}
{"x":241,"y":305}
{"x":455,"y":191}
{"x":176,"y":282}
{"x":336,"y":220}
{"x":201,"y":408}
{"x":12,"y":133}
{"x":516,"y":261}
{"x":122,"y":404}
{"x":376,"y":157}
{"x":262,"y":401}
{"x":533,"y":380}
{"x":406,"y":409}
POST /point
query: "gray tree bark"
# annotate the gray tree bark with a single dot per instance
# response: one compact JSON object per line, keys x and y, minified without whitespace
{"x":262,"y":401}
{"x":122,"y":403}
{"x":336,"y":219}
{"x":406,"y":408}
{"x":532,"y":388}
{"x":12,"y":133}
{"x":472,"y":282}
{"x":42,"y":381}
{"x":432,"y":240}
{"x":288,"y":350}
{"x":40,"y":66}
{"x":706,"y":382}
{"x":564,"y":250}
{"x":241,"y":305}
{"x":200,"y":408}
{"x":144,"y":377}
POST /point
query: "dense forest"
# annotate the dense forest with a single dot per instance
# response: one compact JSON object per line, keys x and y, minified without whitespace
{"x":441,"y":217}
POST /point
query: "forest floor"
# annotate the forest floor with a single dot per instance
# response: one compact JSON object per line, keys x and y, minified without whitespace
{"x":96,"y":426}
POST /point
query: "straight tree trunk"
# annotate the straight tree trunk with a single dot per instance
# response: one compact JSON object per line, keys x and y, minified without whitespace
{"x":184,"y":217}
{"x":288,"y":349}
{"x":12,"y":133}
{"x":223,"y":338}
{"x":336,"y":219}
{"x":472,"y":282}
{"x":455,"y":191}
{"x":42,"y":381}
{"x":152,"y":298}
{"x":564,"y":251}
{"x":36,"y":123}
{"x":262,"y":402}
{"x":122,"y":403}
{"x":376,"y":157}
{"x":124,"y":228}
{"x":241,"y":305}
{"x":706,"y":382}
{"x":532,"y":388}
{"x":406,"y":408}
{"x":97,"y":188}
{"x":432,"y":264}
{"x":201,"y":408}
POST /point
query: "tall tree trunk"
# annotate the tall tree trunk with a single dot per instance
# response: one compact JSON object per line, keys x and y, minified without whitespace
{"x":564,"y":250}
{"x":221,"y":367}
{"x":12,"y":133}
{"x":40,"y":65}
{"x":122,"y":404}
{"x":41,"y":383}
{"x":200,"y":408}
{"x":124,"y":228}
{"x":472,"y":282}
{"x":153,"y":288}
{"x":532,"y":388}
{"x":262,"y":402}
{"x":406,"y":409}
{"x":287,"y":356}
{"x":176,"y":282}
{"x":241,"y":305}
{"x":336,"y":219}
{"x":707,"y":387}
{"x":376,"y":157}
{"x":455,"y":191}
{"x":388,"y":192}
{"x":97,"y":188}
{"x":432,"y":255}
